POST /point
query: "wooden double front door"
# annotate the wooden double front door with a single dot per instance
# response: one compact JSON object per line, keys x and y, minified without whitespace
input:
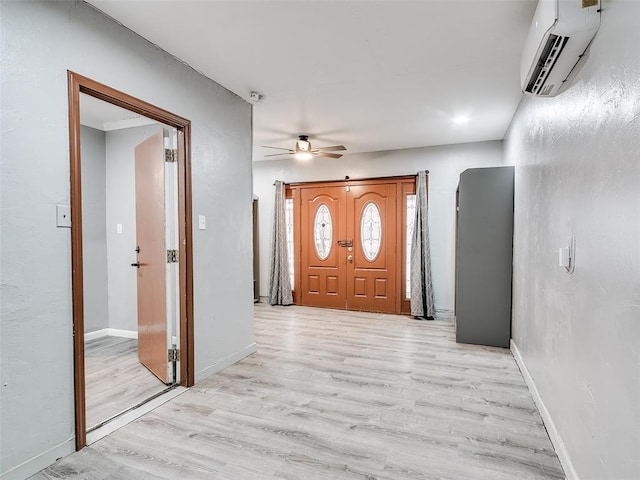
{"x":351,"y":240}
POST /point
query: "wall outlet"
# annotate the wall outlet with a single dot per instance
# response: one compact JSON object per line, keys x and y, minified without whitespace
{"x":564,"y":258}
{"x":63,"y":216}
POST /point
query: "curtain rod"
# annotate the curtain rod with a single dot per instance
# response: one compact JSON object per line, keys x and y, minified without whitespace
{"x":347,"y":179}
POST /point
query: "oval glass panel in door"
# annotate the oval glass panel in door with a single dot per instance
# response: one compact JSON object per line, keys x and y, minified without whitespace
{"x":323,"y":231}
{"x":371,"y":231}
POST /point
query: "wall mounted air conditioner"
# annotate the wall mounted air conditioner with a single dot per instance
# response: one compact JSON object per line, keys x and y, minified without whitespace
{"x":558,"y":38}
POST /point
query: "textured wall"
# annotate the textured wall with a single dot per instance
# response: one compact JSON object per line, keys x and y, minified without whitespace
{"x":577,"y":160}
{"x":444,"y":165}
{"x":40,"y":41}
{"x":94,"y":235}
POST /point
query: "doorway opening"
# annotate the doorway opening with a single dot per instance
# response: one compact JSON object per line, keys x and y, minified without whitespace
{"x":131,"y":252}
{"x":349,"y":242}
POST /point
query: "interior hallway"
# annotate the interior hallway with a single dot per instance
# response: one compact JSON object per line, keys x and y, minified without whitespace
{"x":340,"y":395}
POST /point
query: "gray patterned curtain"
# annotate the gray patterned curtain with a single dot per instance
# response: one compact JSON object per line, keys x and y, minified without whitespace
{"x":421,"y":286}
{"x":280,"y":285}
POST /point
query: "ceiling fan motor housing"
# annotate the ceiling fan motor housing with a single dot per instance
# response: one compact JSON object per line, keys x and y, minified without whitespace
{"x":303,"y":144}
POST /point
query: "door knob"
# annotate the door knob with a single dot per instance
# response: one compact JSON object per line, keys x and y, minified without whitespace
{"x":350,"y":258}
{"x":137,"y":264}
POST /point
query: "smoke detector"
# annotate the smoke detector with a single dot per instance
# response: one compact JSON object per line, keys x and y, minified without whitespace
{"x":255,"y":97}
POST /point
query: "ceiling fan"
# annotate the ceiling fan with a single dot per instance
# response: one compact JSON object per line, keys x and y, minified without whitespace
{"x":304,"y":151}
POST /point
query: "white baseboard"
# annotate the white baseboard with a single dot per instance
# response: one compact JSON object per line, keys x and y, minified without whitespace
{"x":444,"y":314}
{"x":110,"y":332}
{"x":225,"y":362}
{"x":115,"y":332}
{"x":41,"y":461}
{"x":96,"y":334}
{"x":554,"y":436}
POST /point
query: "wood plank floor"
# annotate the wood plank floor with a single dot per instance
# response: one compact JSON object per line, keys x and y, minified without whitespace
{"x":338,"y":395}
{"x":115,"y":380}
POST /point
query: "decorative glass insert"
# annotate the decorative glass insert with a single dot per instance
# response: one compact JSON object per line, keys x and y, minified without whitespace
{"x":288,"y":206}
{"x":371,"y":231}
{"x":323,"y":231}
{"x":411,"y":219}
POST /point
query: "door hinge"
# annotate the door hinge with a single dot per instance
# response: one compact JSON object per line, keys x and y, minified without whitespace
{"x":170,"y":155}
{"x":173,"y":355}
{"x":172,"y":256}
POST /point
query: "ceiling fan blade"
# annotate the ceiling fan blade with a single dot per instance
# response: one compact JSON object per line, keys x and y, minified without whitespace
{"x":326,"y":154}
{"x":334,"y":148}
{"x":277,"y":148}
{"x":276,"y":154}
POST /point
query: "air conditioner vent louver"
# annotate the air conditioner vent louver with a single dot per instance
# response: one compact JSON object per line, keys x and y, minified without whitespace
{"x":550,"y":53}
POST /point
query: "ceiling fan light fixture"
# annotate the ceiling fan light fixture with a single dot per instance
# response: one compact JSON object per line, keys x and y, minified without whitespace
{"x":302,"y":155}
{"x":303,"y":150}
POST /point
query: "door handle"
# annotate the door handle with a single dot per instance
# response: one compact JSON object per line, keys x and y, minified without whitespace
{"x":350,"y":258}
{"x":137,"y":264}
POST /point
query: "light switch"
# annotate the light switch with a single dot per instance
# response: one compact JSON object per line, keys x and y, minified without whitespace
{"x":63,"y":216}
{"x":202,"y":222}
{"x":119,"y":228}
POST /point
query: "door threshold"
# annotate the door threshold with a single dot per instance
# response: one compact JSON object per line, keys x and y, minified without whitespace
{"x":127,"y":416}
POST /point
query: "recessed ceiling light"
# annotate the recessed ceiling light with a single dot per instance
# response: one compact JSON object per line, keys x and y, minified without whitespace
{"x":461,"y":119}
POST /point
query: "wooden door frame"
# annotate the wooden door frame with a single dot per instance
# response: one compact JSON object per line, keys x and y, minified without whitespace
{"x":406,"y":185}
{"x":80,"y":84}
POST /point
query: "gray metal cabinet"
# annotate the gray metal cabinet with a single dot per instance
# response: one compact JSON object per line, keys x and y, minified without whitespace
{"x":484,"y":251}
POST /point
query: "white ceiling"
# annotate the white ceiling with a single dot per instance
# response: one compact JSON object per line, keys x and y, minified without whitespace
{"x":372,"y":75}
{"x":105,"y":116}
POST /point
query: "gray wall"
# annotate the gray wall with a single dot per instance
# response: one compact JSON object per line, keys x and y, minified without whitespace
{"x":121,"y":209}
{"x":94,"y":235}
{"x":40,"y":41}
{"x":444,"y":165}
{"x":577,"y":159}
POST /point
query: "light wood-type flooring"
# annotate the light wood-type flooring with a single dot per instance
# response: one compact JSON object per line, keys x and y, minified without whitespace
{"x":338,"y":395}
{"x":114,"y":378}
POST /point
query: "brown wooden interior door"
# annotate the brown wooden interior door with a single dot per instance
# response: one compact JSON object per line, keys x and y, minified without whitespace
{"x":371,"y":265}
{"x":323,"y":266}
{"x":152,"y":256}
